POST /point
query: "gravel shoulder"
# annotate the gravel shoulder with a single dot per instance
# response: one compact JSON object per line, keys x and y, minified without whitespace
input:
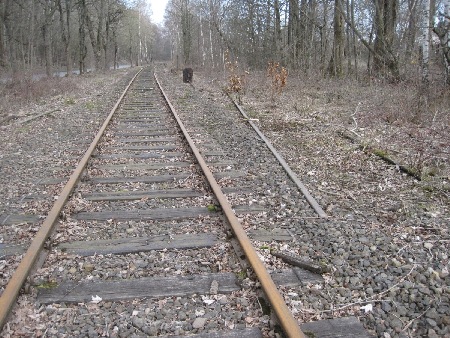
{"x":387,"y":236}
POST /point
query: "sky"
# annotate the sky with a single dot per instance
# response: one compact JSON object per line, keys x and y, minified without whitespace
{"x":158,"y":8}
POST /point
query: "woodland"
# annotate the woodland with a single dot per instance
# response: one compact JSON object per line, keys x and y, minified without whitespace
{"x":391,"y":39}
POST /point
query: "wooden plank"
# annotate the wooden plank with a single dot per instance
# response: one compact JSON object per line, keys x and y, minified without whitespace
{"x":213,"y":153}
{"x":141,"y":116}
{"x":224,"y":163}
{"x":140,"y":120}
{"x":229,"y":174}
{"x":123,"y":246}
{"x":148,"y":214}
{"x":153,"y":287}
{"x":263,"y":235}
{"x":148,"y":140}
{"x":137,"y":195}
{"x":143,"y":148}
{"x":141,"y":156}
{"x":295,"y":277}
{"x":148,"y":137}
{"x":136,"y":111}
{"x":28,"y":198}
{"x":145,"y":166}
{"x":248,"y":209}
{"x":140,"y":125}
{"x":168,"y":132}
{"x":18,"y":219}
{"x":249,"y":332}
{"x":237,"y":190}
{"x":12,"y":249}
{"x":348,"y":327}
{"x":136,"y":179}
{"x":52,"y":181}
{"x":138,"y":128}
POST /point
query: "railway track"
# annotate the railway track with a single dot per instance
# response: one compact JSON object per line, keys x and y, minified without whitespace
{"x":145,"y":235}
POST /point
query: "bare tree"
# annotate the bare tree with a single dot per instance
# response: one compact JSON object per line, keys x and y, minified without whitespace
{"x":385,"y":60}
{"x":9,"y":32}
{"x":65,"y":7}
{"x":2,"y":33}
{"x":82,"y":50}
{"x":335,"y":66}
{"x":425,"y":47}
{"x":442,"y":30}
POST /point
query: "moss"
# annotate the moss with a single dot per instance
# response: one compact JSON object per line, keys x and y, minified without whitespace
{"x":69,"y":101}
{"x":428,"y":188}
{"x":212,"y":208}
{"x":380,"y":153}
{"x":90,"y":105}
{"x":48,"y":285}
{"x":24,"y":129}
{"x":251,"y":113}
{"x":432,"y":172}
{"x":241,"y":274}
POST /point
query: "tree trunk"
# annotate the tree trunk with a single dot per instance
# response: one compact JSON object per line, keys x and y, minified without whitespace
{"x":447,"y":39}
{"x":425,"y":57}
{"x":411,"y":30}
{"x":277,"y":36}
{"x":335,"y":67}
{"x":64,"y":17}
{"x":355,"y":52}
{"x":2,"y":42}
{"x":46,"y":27}
{"x":10,"y":38}
{"x":385,"y":62}
{"x":82,"y":13}
{"x":101,"y":40}
{"x":212,"y":18}
{"x":293,"y":34}
{"x":442,"y":30}
{"x":324,"y":39}
{"x":186,"y":31}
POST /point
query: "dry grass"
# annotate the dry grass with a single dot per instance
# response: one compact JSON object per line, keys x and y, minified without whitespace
{"x":19,"y":94}
{"x":382,"y":115}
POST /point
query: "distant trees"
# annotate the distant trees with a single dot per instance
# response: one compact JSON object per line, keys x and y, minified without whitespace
{"x":381,"y":38}
{"x":50,"y":35}
{"x":337,"y":38}
{"x":442,"y":30}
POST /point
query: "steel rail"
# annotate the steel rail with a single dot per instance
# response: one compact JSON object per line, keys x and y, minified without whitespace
{"x":287,"y":320}
{"x":311,"y":200}
{"x":25,"y":266}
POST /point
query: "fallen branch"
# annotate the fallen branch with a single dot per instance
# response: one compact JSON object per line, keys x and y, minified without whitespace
{"x":381,"y":154}
{"x":35,"y":117}
{"x":297,"y":261}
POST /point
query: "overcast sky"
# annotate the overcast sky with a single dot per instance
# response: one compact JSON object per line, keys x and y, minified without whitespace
{"x":158,"y":7}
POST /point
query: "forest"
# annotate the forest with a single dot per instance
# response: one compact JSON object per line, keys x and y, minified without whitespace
{"x":389,"y":39}
{"x":49,"y":36}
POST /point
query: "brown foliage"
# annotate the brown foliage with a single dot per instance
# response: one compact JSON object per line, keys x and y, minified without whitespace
{"x":278,"y":76}
{"x":237,"y":80}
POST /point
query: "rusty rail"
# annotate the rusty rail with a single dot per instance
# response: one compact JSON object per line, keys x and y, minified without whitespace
{"x":9,"y":296}
{"x":311,"y":200}
{"x":287,"y":321}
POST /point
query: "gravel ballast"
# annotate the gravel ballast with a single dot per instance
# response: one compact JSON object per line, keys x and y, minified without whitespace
{"x":386,"y":240}
{"x":385,"y":243}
